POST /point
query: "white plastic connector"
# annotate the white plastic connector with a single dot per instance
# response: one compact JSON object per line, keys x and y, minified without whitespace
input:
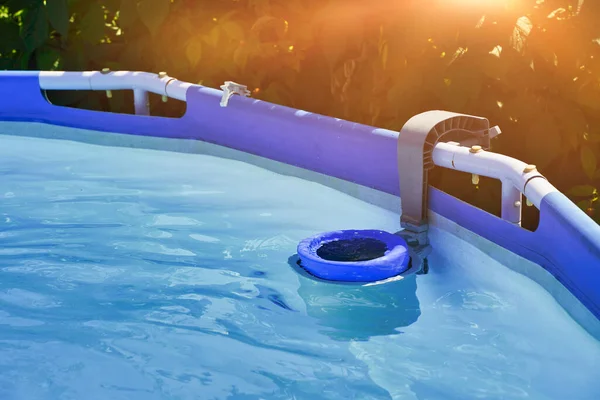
{"x":230,"y":88}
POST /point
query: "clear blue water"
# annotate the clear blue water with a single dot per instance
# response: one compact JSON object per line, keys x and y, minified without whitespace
{"x":137,"y":274}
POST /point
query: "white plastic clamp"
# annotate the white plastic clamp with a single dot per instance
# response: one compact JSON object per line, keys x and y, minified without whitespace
{"x":230,"y":88}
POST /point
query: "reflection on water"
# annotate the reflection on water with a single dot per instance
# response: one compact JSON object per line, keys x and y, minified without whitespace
{"x":353,"y":311}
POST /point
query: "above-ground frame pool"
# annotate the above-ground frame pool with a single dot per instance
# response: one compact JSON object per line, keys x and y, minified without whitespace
{"x":156,"y":258}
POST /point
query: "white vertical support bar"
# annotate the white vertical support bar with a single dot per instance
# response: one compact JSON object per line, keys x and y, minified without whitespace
{"x":141,"y":102}
{"x":511,"y":203}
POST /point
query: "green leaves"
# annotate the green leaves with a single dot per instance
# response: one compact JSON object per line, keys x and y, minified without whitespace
{"x":153,"y":13}
{"x":240,"y":56}
{"x":212,"y":38}
{"x":588,"y":161}
{"x":383,"y":54}
{"x":48,"y":59}
{"x":263,"y":22}
{"x":589,"y":96}
{"x":34,"y":30}
{"x":494,"y":64}
{"x":543,"y":141}
{"x":233,"y":30}
{"x":58,"y":15}
{"x":520,"y":32}
{"x":275,"y":27}
{"x":92,"y":24}
{"x":582,"y":191}
{"x":127,"y":13}
{"x":9,"y":32}
{"x":16,"y":5}
{"x":193,"y":51}
{"x":464,"y":85}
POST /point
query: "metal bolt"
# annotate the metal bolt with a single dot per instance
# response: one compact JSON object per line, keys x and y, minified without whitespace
{"x":517,"y":203}
{"x":109,"y":94}
{"x":105,"y":70}
{"x":164,"y":99}
{"x":529,"y":168}
{"x":529,"y":203}
{"x":475,"y":179}
{"x":475,"y":149}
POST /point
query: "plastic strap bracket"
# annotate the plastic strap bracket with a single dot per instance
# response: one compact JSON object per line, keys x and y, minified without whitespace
{"x":416,"y":142}
{"x":230,"y":88}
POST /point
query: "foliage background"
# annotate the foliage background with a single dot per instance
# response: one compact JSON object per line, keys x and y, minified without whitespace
{"x":531,"y":67}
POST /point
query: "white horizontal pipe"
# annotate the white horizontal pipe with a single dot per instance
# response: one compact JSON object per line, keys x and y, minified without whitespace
{"x":117,"y":80}
{"x":507,"y":169}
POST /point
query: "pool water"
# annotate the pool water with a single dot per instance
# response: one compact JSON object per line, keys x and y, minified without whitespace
{"x":140,"y":274}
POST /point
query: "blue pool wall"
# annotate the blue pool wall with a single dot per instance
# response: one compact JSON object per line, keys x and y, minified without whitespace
{"x":306,"y":140}
{"x":566,"y":242}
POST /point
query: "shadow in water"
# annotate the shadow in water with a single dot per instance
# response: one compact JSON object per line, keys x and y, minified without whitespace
{"x":353,"y":311}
